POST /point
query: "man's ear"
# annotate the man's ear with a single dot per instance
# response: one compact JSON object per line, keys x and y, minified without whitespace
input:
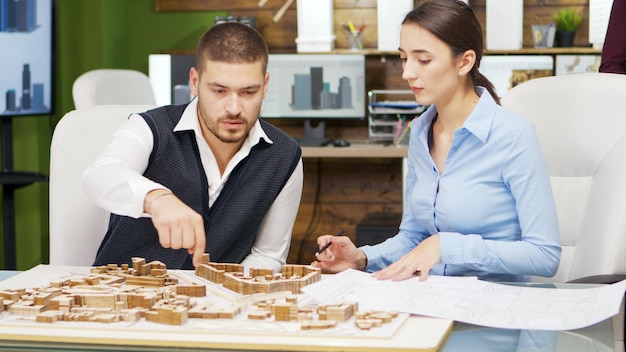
{"x":267,"y":81}
{"x":194,"y":78}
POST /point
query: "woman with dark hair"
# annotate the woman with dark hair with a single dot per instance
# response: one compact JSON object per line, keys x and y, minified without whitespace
{"x":478,"y":199}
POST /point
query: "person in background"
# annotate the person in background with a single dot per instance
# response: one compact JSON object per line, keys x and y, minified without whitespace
{"x":208,"y":176}
{"x":478,"y":199}
{"x":613,"y":58}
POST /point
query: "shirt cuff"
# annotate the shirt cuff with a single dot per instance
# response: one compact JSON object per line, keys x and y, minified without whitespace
{"x":450,"y":248}
{"x":375,"y":261}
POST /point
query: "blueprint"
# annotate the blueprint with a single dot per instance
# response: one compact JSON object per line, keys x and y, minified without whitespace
{"x":476,"y":302}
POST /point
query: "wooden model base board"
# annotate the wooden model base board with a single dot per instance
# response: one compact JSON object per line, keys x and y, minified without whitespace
{"x":224,"y":333}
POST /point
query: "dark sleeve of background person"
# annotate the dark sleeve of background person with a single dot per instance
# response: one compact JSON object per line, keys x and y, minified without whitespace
{"x":614,"y":49}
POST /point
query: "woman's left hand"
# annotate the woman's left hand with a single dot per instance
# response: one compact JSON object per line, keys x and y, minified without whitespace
{"x":418,"y":261}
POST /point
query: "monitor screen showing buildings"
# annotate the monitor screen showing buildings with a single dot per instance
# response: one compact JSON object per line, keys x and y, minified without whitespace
{"x":26,"y":65}
{"x":323,"y":86}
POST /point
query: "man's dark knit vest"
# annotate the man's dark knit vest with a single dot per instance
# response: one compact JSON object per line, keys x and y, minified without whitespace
{"x":232,"y":222}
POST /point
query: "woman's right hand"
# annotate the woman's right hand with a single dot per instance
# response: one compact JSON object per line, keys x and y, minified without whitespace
{"x":342,"y":254}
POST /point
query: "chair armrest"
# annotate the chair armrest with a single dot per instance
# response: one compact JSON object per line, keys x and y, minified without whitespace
{"x":599,"y":279}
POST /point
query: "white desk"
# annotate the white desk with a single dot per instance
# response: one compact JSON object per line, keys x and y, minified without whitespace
{"x":208,"y":334}
{"x":464,"y":337}
{"x":357,"y":150}
{"x":5,"y":274}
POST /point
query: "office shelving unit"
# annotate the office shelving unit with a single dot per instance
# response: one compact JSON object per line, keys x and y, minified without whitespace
{"x":387,"y":109}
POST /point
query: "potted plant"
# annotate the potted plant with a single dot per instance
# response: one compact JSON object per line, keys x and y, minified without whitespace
{"x":566,"y":21}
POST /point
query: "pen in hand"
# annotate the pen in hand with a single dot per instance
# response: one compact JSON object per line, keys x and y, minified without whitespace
{"x":325,"y":247}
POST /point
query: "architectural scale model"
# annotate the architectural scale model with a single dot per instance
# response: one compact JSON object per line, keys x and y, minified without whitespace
{"x":115,"y":293}
{"x":292,"y":277}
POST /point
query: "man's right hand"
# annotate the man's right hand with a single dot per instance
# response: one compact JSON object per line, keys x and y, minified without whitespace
{"x":177,"y":224}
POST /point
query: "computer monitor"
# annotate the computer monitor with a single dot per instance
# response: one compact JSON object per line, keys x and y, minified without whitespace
{"x":315,"y":88}
{"x":27,"y":56}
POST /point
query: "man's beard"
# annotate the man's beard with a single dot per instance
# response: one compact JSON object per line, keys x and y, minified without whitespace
{"x":226,"y":137}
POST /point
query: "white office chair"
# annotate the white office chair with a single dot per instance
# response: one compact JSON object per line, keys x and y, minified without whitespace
{"x":580,"y":121}
{"x":112,"y":86}
{"x":77,"y":224}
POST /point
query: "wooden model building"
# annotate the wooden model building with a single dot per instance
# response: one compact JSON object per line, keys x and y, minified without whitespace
{"x":115,"y":293}
{"x":108,"y":294}
{"x":292,"y":277}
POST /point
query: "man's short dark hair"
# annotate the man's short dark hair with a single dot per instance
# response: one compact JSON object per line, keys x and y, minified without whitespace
{"x":231,"y":42}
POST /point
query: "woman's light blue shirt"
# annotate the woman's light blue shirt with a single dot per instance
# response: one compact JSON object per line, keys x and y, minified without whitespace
{"x":492,"y":206}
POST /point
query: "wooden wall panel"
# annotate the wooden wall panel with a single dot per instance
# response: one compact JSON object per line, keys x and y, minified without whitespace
{"x":543,"y":15}
{"x":540,"y":12}
{"x":281,"y":36}
{"x":348,"y":190}
{"x":384,"y":72}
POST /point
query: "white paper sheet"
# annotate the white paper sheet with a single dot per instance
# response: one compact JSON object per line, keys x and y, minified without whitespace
{"x":476,"y":302}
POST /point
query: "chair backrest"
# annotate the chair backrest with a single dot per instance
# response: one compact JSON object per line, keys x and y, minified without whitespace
{"x":77,"y":224}
{"x":112,"y":86}
{"x":580,"y":121}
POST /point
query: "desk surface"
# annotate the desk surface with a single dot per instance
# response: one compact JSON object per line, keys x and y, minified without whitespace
{"x":5,"y":274}
{"x":195,"y":338}
{"x":21,"y":331}
{"x":357,"y":150}
{"x":464,"y":337}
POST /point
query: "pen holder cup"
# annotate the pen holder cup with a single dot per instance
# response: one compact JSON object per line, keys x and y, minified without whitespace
{"x":355,"y":40}
{"x":543,"y":36}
